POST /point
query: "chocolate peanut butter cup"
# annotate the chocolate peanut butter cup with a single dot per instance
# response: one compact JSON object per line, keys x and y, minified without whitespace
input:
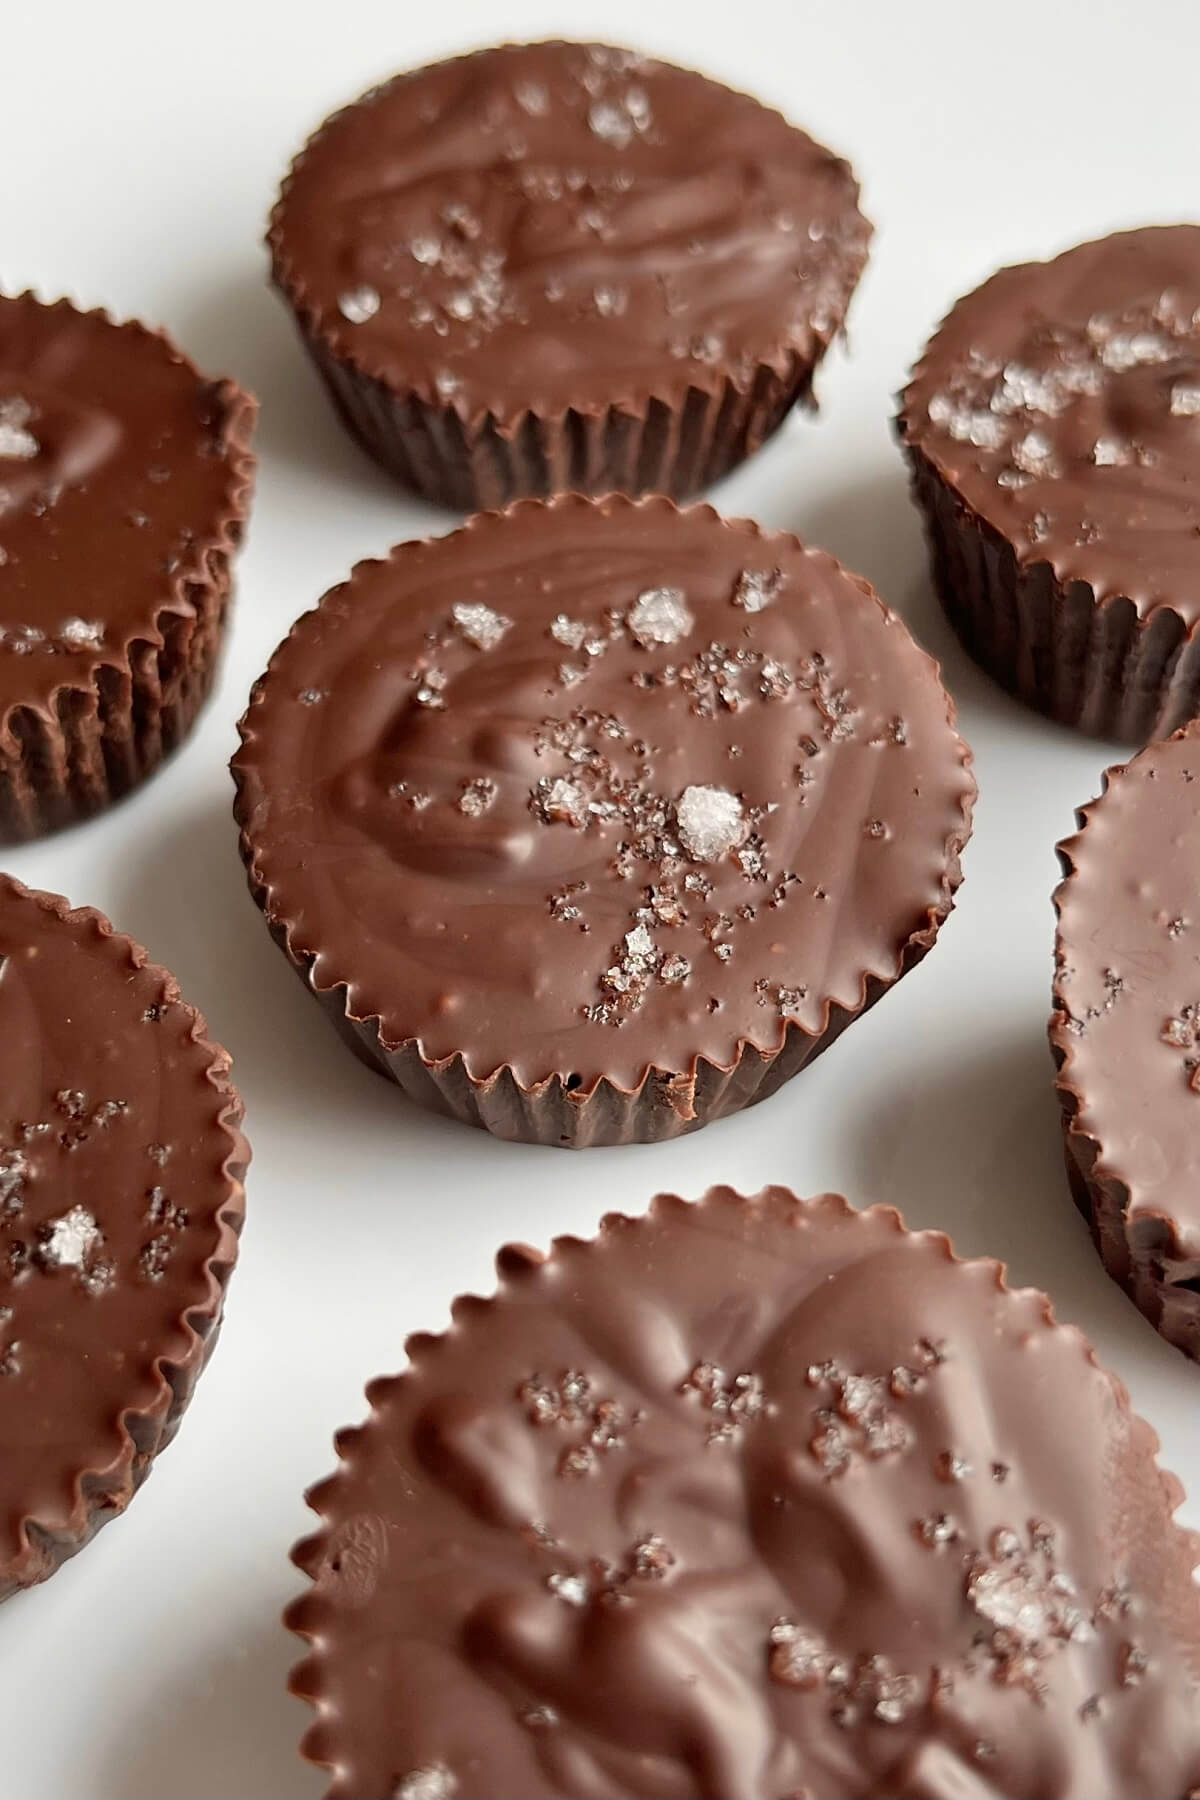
{"x":592,"y":822}
{"x":564,"y":266}
{"x":1125,"y":1030}
{"x":1053,"y":432}
{"x":124,"y":482}
{"x":120,"y":1205}
{"x":751,"y":1498}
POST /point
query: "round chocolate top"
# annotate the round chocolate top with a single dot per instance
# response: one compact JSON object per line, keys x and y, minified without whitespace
{"x":749,"y":1499}
{"x":588,"y":789}
{"x":546,"y":226}
{"x":119,"y":1200}
{"x":1061,"y":400}
{"x":121,"y":469}
{"x":1127,"y":989}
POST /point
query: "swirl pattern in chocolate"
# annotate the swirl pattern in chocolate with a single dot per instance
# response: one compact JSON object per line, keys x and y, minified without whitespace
{"x":123,"y":473}
{"x":1126,"y":1027}
{"x":588,"y":790}
{"x":747,"y":1499}
{"x":548,"y":226}
{"x":1061,"y":401}
{"x":120,"y":1203}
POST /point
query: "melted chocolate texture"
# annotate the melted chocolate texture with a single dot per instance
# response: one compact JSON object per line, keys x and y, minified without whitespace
{"x":588,"y":789}
{"x":121,"y":469}
{"x":751,"y":1500}
{"x":1061,"y":400}
{"x":545,"y":226}
{"x":120,"y":1199}
{"x":1126,"y":1027}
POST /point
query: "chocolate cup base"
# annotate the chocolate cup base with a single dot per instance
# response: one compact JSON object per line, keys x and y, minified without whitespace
{"x":556,"y":1113}
{"x":1134,"y":1252}
{"x":1093,"y":664}
{"x":673,"y":450}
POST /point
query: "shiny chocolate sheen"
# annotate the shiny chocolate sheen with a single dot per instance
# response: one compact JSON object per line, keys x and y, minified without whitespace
{"x":120,"y":1200}
{"x":121,"y":471}
{"x":1061,"y":401}
{"x":1126,"y":1026}
{"x":549,"y":226}
{"x":747,"y":1499}
{"x":700,"y":788}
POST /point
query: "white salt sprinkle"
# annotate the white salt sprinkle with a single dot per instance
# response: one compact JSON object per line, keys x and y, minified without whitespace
{"x":478,"y":624}
{"x":659,"y":616}
{"x":1185,"y":400}
{"x":710,"y":821}
{"x":359,"y":304}
{"x":70,"y":1239}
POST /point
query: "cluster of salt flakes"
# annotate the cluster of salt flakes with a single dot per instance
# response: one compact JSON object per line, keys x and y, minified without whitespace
{"x":711,"y":821}
{"x":733,"y":1401}
{"x":866,"y":1689}
{"x":597,"y":1423}
{"x":659,"y":616}
{"x":478,"y":624}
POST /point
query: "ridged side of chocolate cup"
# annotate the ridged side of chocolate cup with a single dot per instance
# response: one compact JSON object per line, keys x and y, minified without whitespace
{"x":101,"y":1494}
{"x":665,"y":1103}
{"x":678,"y":440}
{"x":1086,"y":660}
{"x":106,"y":732}
{"x":324,"y":1743}
{"x":1133,"y":1250}
{"x":683,"y":442}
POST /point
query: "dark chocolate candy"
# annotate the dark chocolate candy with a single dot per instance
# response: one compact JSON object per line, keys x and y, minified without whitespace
{"x":124,"y":482}
{"x":613,"y":272}
{"x":1053,"y":425}
{"x":748,"y":1499}
{"x":1126,"y":1028}
{"x":610,"y":805}
{"x":120,"y":1203}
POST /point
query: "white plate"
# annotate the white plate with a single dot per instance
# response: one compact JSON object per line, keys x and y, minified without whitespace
{"x":141,"y":146}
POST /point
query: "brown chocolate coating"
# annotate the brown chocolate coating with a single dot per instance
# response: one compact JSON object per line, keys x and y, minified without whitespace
{"x":549,"y":226}
{"x":1126,"y":1028}
{"x":700,"y":792}
{"x":1061,"y":401}
{"x":120,"y":471}
{"x":120,"y":1204}
{"x":747,"y":1499}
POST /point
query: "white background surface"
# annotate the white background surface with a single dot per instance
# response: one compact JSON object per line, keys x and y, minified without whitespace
{"x":141,"y":146}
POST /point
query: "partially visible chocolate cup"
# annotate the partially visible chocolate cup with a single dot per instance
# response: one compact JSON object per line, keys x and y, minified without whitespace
{"x":751,"y":1497}
{"x":121,"y":1201}
{"x":596,"y":821}
{"x":1125,"y":1030}
{"x":1052,"y":428}
{"x":125,"y":479}
{"x":563,"y":266}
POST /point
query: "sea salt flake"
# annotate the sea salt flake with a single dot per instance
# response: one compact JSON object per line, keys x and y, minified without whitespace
{"x":568,"y":632}
{"x":610,"y":302}
{"x":1109,"y":453}
{"x":711,"y":822}
{"x":1185,"y":400}
{"x":1034,"y":454}
{"x":433,"y":1782}
{"x":967,"y":424}
{"x":478,"y":624}
{"x":81,"y":631}
{"x":560,"y":800}
{"x":461,"y":306}
{"x":359,"y":304}
{"x":612,"y":124}
{"x":477,"y":797}
{"x":425,"y":250}
{"x":16,"y":443}
{"x":573,"y":1589}
{"x":660,"y":616}
{"x":533,"y":98}
{"x":796,"y":1657}
{"x":70,"y":1239}
{"x":674,"y":970}
{"x":756,"y":588}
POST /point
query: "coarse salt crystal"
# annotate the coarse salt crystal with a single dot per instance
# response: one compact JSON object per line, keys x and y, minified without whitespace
{"x":359,"y":304}
{"x":81,"y":631}
{"x":756,"y":588}
{"x":659,"y":616}
{"x":70,"y":1239}
{"x":1185,"y":400}
{"x":479,"y":624}
{"x":434,"y":1782}
{"x":711,"y":822}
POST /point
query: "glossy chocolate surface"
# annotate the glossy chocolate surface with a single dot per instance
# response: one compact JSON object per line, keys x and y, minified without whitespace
{"x":1061,"y":401}
{"x":121,"y":468}
{"x":545,"y":226}
{"x":745,"y":1500}
{"x":589,"y":789}
{"x":119,"y":1202}
{"x":1127,"y":988}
